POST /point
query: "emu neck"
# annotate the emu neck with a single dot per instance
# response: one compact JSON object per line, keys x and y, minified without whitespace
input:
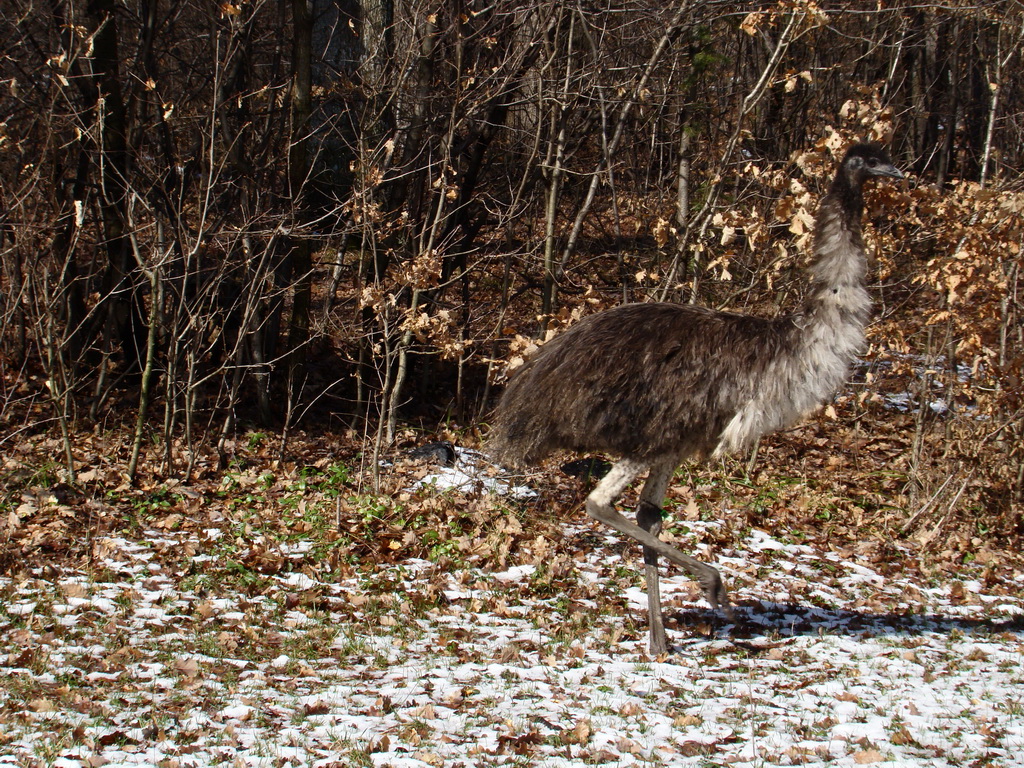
{"x":837,"y":296}
{"x":823,"y":338}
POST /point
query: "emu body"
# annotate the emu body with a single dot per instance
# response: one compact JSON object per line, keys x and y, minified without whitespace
{"x":655,"y":384}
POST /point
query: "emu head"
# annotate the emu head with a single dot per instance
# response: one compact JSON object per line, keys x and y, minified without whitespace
{"x":865,"y":160}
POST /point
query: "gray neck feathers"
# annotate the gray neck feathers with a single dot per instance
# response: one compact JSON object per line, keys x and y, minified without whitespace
{"x":837,"y":295}
{"x":829,"y":332}
{"x":823,"y":338}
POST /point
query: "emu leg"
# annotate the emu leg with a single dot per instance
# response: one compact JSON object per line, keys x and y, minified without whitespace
{"x":648,"y":517}
{"x":599,"y":507}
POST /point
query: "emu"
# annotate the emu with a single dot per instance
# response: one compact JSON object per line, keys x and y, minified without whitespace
{"x":657,"y":383}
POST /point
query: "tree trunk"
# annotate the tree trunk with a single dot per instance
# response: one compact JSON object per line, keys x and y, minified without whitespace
{"x":299,"y":168}
{"x":121,"y":286}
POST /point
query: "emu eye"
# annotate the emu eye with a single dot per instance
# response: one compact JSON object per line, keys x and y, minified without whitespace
{"x":872,"y":161}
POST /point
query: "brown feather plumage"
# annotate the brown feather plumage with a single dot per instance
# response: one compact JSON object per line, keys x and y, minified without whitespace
{"x":640,"y":380}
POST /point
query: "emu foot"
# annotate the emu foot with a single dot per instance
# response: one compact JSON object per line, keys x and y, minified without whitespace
{"x":715,"y":592}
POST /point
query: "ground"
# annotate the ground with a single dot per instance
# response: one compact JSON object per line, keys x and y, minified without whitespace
{"x":260,"y":625}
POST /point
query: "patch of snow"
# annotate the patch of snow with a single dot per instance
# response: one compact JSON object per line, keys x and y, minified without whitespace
{"x":472,"y":472}
{"x":298,"y":581}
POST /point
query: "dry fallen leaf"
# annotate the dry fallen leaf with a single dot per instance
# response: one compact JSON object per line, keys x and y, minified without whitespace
{"x":186,"y":667}
{"x":425,"y":712}
{"x":74,"y":589}
{"x":867,"y":756}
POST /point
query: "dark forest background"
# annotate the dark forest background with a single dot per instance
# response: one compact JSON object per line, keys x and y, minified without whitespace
{"x":340,"y":215}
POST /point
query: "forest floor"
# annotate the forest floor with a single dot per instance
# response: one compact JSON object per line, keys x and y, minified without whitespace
{"x":297,"y":615}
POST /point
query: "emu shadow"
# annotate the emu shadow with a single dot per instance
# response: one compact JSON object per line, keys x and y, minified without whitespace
{"x":796,"y":620}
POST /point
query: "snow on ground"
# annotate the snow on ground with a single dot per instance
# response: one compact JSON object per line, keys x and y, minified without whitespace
{"x":472,"y":472}
{"x":829,"y":662}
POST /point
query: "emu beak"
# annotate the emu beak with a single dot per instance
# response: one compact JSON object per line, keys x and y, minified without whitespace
{"x":888,"y":170}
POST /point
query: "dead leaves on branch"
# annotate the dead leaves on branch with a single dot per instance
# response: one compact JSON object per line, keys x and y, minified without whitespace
{"x":974,"y":238}
{"x":811,"y":14}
